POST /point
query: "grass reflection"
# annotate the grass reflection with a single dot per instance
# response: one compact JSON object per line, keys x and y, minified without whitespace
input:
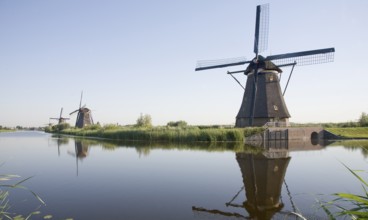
{"x":146,"y":146}
{"x":361,"y":145}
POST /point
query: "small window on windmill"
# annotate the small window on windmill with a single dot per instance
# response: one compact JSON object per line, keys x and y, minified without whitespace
{"x":275,"y":107}
{"x":271,"y":78}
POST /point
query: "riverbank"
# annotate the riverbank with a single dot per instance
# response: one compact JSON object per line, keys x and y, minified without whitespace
{"x":171,"y":134}
{"x":6,"y":130}
{"x":190,"y":133}
{"x":350,"y":132}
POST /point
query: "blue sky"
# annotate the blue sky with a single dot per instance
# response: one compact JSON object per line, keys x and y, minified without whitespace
{"x":133,"y":57}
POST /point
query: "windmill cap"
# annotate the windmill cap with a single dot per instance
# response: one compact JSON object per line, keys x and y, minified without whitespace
{"x":262,"y":64}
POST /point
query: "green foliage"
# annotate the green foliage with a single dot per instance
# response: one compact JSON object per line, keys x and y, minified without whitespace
{"x":350,"y":132}
{"x":111,"y":126}
{"x":93,"y":127}
{"x":60,"y":127}
{"x":48,"y":129}
{"x":168,"y":134}
{"x":5,"y":129}
{"x":144,"y":121}
{"x":5,"y":204}
{"x":349,"y":205}
{"x":177,"y":124}
{"x":363,"y":120}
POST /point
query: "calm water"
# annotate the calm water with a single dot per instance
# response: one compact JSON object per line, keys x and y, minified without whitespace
{"x":88,"y":179}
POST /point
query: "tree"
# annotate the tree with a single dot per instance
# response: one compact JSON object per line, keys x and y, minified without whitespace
{"x":363,"y":120}
{"x":144,"y":121}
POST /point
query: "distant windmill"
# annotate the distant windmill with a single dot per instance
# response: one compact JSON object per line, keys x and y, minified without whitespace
{"x":60,"y":118}
{"x":263,"y":100}
{"x":84,"y":116}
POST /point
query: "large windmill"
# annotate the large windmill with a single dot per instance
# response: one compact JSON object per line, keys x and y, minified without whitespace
{"x":84,"y":116}
{"x":263,"y":100}
{"x":60,"y":118}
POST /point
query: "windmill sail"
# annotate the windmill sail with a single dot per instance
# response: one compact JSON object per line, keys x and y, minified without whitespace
{"x":261,"y":30}
{"x":84,"y":116}
{"x":60,"y":118}
{"x":263,"y":100}
{"x":305,"y":57}
{"x":212,"y":64}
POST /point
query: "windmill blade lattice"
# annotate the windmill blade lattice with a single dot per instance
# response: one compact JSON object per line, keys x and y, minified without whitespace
{"x":261,"y":32}
{"x":61,"y":112}
{"x":212,"y":64}
{"x":305,"y":57}
{"x":263,"y":101}
{"x":73,"y":112}
{"x":80,"y":103}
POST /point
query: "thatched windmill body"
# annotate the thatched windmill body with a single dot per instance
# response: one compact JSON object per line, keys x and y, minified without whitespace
{"x":60,"y":119}
{"x":84,"y":116}
{"x":263,"y":99}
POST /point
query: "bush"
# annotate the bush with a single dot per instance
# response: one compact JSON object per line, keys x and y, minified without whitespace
{"x":177,"y":124}
{"x":111,"y":126}
{"x":48,"y":129}
{"x":93,"y":127}
{"x":60,"y":127}
{"x":144,"y":121}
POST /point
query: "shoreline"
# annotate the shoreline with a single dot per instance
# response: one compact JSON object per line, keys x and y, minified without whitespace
{"x":191,"y":134}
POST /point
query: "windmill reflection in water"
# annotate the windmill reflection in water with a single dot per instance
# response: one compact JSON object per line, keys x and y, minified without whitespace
{"x":81,"y":148}
{"x":263,"y":175}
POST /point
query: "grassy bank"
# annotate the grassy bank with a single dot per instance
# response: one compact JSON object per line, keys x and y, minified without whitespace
{"x":352,"y":132}
{"x":6,"y":130}
{"x":171,"y":134}
{"x":189,"y":133}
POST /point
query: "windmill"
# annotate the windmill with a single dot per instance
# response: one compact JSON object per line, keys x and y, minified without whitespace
{"x":263,"y":100}
{"x":84,"y":116}
{"x":60,"y":118}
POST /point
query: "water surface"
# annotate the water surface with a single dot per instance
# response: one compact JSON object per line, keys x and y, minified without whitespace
{"x":89,"y":179}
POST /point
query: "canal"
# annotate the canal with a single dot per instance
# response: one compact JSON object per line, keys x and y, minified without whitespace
{"x":92,"y":179}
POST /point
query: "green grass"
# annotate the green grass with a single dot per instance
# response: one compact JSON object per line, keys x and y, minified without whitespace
{"x":191,"y":133}
{"x":6,"y":130}
{"x":166,"y":134}
{"x":352,"y":132}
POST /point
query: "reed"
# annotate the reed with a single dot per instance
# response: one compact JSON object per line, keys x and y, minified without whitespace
{"x":166,"y":134}
{"x":348,"y":205}
{"x":5,"y":204}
